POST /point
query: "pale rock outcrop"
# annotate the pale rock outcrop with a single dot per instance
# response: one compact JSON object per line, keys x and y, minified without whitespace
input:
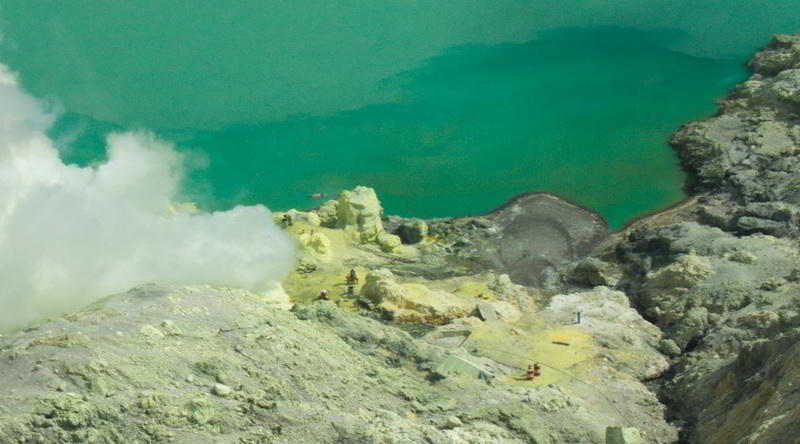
{"x":388,"y":242}
{"x":593,"y":271}
{"x":328,"y":213}
{"x":379,"y":284}
{"x":481,"y":432}
{"x":623,"y":435}
{"x":782,"y":53}
{"x":761,"y":320}
{"x":453,"y":334}
{"x":502,"y":284}
{"x":663,"y":290}
{"x":701,"y":146}
{"x":685,"y":272}
{"x":693,"y":322}
{"x":315,"y":243}
{"x":613,"y":323}
{"x":750,"y":225}
{"x":772,"y":139}
{"x":742,"y":257}
{"x":506,"y":290}
{"x":308,"y":217}
{"x":413,"y":302}
{"x":462,"y":364}
{"x":710,"y":319}
{"x":669,"y":347}
{"x":747,"y":152}
{"x":785,"y":87}
{"x":150,"y":332}
{"x":506,"y":311}
{"x":221,"y":390}
{"x":710,"y":280}
{"x":360,"y":209}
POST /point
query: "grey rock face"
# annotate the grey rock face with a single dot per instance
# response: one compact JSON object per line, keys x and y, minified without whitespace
{"x":540,"y":233}
{"x":714,"y":294}
{"x":724,"y":329}
{"x":749,"y":154}
{"x":754,"y":396}
{"x":592,"y":271}
{"x":256,"y":373}
{"x":750,"y":225}
{"x":669,"y":347}
{"x":229,"y":366}
{"x":716,"y":216}
{"x":729,"y":326}
{"x":623,"y":435}
{"x":782,"y":53}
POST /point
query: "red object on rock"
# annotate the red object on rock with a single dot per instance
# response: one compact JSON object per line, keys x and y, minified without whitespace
{"x":533,"y":371}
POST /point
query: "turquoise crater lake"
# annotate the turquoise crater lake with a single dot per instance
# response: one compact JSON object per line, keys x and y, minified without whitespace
{"x":446,"y":108}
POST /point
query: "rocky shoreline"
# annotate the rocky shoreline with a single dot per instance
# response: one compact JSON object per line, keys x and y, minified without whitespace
{"x":684,"y":326}
{"x":722,"y":280}
{"x":717,"y":272}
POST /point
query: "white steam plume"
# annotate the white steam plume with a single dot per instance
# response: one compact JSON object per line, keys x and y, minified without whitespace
{"x":70,"y":235}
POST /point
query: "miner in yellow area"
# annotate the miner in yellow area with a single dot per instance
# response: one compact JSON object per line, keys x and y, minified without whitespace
{"x":533,"y":371}
{"x":351,"y":279}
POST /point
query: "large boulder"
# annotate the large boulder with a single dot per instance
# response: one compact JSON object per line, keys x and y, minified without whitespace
{"x":750,"y":225}
{"x":328,"y":213}
{"x":664,"y":295}
{"x":360,"y":209}
{"x":685,"y":272}
{"x":592,"y":271}
{"x":388,"y":242}
{"x":412,"y":232}
{"x":690,"y":327}
{"x":716,"y":216}
{"x":413,"y":302}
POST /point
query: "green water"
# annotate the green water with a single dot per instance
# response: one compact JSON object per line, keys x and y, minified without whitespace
{"x":446,"y":108}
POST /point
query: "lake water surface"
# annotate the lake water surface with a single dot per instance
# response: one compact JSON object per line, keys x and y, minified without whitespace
{"x":445,"y":107}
